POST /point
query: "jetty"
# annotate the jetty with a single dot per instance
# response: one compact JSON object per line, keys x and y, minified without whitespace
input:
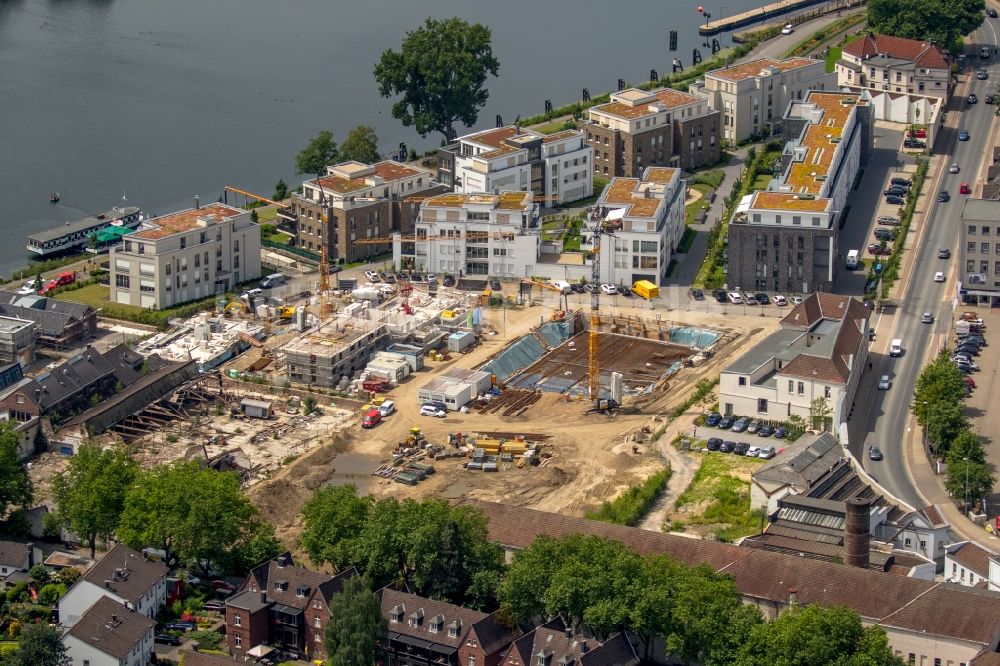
{"x":771,"y":11}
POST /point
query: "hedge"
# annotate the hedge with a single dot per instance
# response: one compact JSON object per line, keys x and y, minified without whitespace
{"x":629,"y":507}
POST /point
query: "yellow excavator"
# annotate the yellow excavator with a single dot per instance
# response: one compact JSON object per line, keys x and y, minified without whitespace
{"x":285,"y":311}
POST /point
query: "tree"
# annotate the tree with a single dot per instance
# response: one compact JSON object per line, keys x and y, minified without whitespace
{"x":281,"y":189}
{"x":439,"y":73}
{"x":259,"y":544}
{"x":944,"y":422}
{"x":197,"y":515}
{"x":819,"y":413}
{"x":939,"y":382}
{"x":356,"y":629}
{"x":320,"y":152}
{"x":968,"y":480}
{"x":814,"y":635}
{"x":943,"y":21}
{"x":40,"y":645}
{"x":15,"y":485}
{"x":333,"y":518}
{"x":90,"y":494}
{"x":966,"y":445}
{"x":361,"y":145}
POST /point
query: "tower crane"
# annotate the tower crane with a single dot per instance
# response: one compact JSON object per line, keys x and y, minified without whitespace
{"x":602,"y":228}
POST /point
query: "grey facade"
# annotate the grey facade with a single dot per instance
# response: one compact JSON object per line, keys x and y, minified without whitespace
{"x":801,"y":255}
{"x":17,"y":341}
{"x":979,"y":252}
{"x":336,"y":350}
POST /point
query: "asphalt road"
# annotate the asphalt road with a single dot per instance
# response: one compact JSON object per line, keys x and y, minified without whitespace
{"x":888,"y":411}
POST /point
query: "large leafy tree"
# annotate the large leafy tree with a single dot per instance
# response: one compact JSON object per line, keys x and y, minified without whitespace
{"x":968,"y":478}
{"x":15,"y":485}
{"x":39,"y":645}
{"x":360,"y":145}
{"x":439,"y":74}
{"x":332,"y":520}
{"x":944,"y":21}
{"x":356,"y":628}
{"x":90,"y":494}
{"x":945,"y":421}
{"x":197,"y":515}
{"x":320,"y":152}
{"x":939,"y":382}
{"x":814,"y":635}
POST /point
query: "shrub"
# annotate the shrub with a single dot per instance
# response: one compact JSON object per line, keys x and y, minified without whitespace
{"x":629,"y":507}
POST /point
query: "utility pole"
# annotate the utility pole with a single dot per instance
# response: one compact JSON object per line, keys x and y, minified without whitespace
{"x":966,"y":461}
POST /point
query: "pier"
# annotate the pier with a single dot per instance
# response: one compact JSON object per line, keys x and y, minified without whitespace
{"x":771,"y":11}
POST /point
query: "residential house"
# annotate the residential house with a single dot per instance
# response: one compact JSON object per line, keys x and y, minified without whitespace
{"x":59,"y":324}
{"x":16,"y":560}
{"x":337,"y":348}
{"x":282,"y":605}
{"x":555,"y":167}
{"x":425,"y":632}
{"x":185,"y":256}
{"x":122,"y":575}
{"x":752,"y":95}
{"x":473,"y":234}
{"x":358,"y":202}
{"x":895,"y":64}
{"x":12,"y":379}
{"x":555,"y":644}
{"x":17,"y":341}
{"x":968,"y":563}
{"x":785,"y":238}
{"x":110,"y":634}
{"x":819,"y":352}
{"x":646,"y":215}
{"x":979,"y":252}
{"x":638,"y":129}
{"x":924,"y":620}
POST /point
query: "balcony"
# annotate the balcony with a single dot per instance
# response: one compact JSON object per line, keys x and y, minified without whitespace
{"x":288,"y":213}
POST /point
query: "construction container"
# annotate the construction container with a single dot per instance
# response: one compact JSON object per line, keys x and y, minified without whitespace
{"x":460,"y":341}
{"x":257,"y":409}
{"x":419,"y":473}
{"x":414,"y":355}
{"x":424,"y":467}
{"x":515,"y":448}
{"x":407,"y":478}
{"x":490,"y":467}
{"x":481,"y":381}
{"x":477,"y":465}
{"x":646,"y":289}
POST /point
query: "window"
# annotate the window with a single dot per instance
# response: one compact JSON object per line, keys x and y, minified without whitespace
{"x":471,"y":661}
{"x":762,"y":405}
{"x":236,"y":246}
{"x":318,"y":637}
{"x":972,"y":230}
{"x":237,"y":620}
{"x":316,"y":622}
{"x":122,"y":281}
{"x":743,"y":381}
{"x":791,"y":386}
{"x":237,"y":641}
{"x":826,"y":391}
{"x":184,"y":243}
{"x":802,"y":388}
{"x":986,"y":231}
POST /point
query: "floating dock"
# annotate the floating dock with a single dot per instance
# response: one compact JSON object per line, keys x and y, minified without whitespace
{"x":770,"y":11}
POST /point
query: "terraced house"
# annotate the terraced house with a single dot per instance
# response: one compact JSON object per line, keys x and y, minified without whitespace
{"x":639,"y":129}
{"x":785,"y":237}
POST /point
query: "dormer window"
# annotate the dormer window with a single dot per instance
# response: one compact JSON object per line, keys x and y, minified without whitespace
{"x":397,"y":614}
{"x":437,"y":624}
{"x":302,"y":591}
{"x":281,"y":585}
{"x":453,"y":629}
{"x":417,"y":618}
{"x":543,"y":658}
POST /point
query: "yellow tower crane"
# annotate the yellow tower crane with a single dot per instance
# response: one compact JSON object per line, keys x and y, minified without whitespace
{"x":603,"y":228}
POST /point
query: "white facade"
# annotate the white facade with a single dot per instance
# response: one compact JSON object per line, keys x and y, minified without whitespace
{"x":185,"y":256}
{"x":84,"y":594}
{"x":513,"y":159}
{"x":895,"y":65}
{"x":474,"y":235}
{"x":752,"y":95}
{"x":969,"y":564}
{"x":647,"y":216}
{"x":84,"y":654}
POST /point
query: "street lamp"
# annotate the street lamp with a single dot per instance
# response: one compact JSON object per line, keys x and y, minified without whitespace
{"x":966,"y":461}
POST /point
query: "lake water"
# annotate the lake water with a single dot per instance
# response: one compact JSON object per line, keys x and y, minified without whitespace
{"x":161,"y":100}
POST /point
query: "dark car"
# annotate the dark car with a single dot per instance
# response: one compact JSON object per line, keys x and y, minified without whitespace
{"x":968,"y":349}
{"x":713,"y":419}
{"x":721,"y":296}
{"x":883,"y":234}
{"x":697,"y":294}
{"x":741,"y":424}
{"x":914,"y":143}
{"x":625,"y":291}
{"x":590,"y":288}
{"x":714,"y":443}
{"x":779,"y":433}
{"x":894,"y":200}
{"x":741,"y":448}
{"x":944,"y":196}
{"x":181,"y":626}
{"x":972,"y":98}
{"x":896,"y":190}
{"x":982,"y":74}
{"x":944,"y":253}
{"x":764,"y":431}
{"x":576,"y":288}
{"x":989,"y":99}
{"x":448,"y":281}
{"x":879,"y":250}
{"x":992,"y":13}
{"x":495,"y":285}
{"x":763,"y":299}
{"x":905,"y":182}
{"x":167,"y":639}
{"x":963,"y":135}
{"x":727,"y":447}
{"x":874,"y":453}
{"x":726,"y":423}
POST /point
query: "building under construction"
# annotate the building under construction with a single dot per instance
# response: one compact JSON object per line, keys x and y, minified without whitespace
{"x":333,"y":352}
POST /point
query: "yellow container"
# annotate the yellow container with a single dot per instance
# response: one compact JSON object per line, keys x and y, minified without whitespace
{"x":646,"y":289}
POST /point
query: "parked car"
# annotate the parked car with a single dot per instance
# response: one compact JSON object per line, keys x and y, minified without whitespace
{"x":763,"y":299}
{"x":990,"y":99}
{"x":899,"y":180}
{"x":896,"y":190}
{"x":788,"y":29}
{"x":884,"y":383}
{"x":888,"y":221}
{"x":992,"y":13}
{"x":766,"y":452}
{"x":752,"y":452}
{"x":713,"y":444}
{"x":779,"y":432}
{"x":449,"y":281}
{"x":879,"y":249}
{"x":577,"y":288}
{"x":741,"y":448}
{"x":764,"y":431}
{"x":894,"y":200}
{"x":386,"y":408}
{"x":741,"y":424}
{"x":431,"y":410}
{"x":734,"y":297}
{"x":914,"y":143}
{"x":754,"y":426}
{"x":726,"y":423}
{"x":495,"y":285}
{"x":713,"y":419}
{"x":181,"y":626}
{"x":796,"y":300}
{"x":223,"y":586}
{"x":609,"y":289}
{"x":167,"y":639}
{"x":720,"y":295}
{"x":625,"y":291}
{"x":371,"y":419}
{"x":883,"y":234}
{"x":215,"y":606}
{"x":727,"y":447}
{"x":779,"y":299}
{"x":982,"y":74}
{"x":875,"y":453}
{"x":372,"y":276}
{"x":697,"y":294}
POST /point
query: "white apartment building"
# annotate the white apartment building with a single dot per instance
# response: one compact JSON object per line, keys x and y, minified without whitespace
{"x":753,"y":95}
{"x":820,"y":351}
{"x":474,"y":234}
{"x":647,"y":215}
{"x":185,"y":256}
{"x":967,"y":563}
{"x":895,"y":65}
{"x":556,"y":166}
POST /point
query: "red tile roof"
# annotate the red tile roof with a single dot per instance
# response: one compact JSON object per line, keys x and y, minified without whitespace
{"x":986,"y":659}
{"x":924,"y":54}
{"x":973,"y":557}
{"x":850,"y":334}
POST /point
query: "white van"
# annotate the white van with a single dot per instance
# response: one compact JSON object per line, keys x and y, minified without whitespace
{"x":896,"y":348}
{"x":272,"y":280}
{"x":563,"y":286}
{"x":853,"y":257}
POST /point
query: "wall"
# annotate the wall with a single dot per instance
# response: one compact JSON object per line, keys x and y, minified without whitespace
{"x":78,"y":599}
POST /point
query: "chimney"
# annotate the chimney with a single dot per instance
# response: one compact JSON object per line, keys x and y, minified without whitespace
{"x":857,"y":532}
{"x":569,"y":632}
{"x":31,"y":554}
{"x":793,"y":596}
{"x":38,"y":396}
{"x":197,"y":202}
{"x":263,"y":597}
{"x":584,"y":648}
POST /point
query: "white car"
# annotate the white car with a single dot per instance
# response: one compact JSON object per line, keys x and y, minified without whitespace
{"x":753,"y":452}
{"x":779,"y":299}
{"x":255,"y":293}
{"x":788,"y":29}
{"x":29,"y":287}
{"x":927,"y":318}
{"x":954,"y":168}
{"x":386,"y":408}
{"x":609,"y":289}
{"x":372,"y":276}
{"x":766,"y":452}
{"x":431,"y":410}
{"x":884,"y":383}
{"x":796,"y":300}
{"x":734,"y":298}
{"x":939,"y":277}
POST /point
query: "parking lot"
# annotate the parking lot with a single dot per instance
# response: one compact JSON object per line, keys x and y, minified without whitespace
{"x":748,"y":440}
{"x":984,"y":422}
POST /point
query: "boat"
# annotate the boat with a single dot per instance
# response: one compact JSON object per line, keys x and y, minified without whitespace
{"x":54,"y":197}
{"x":76,"y":236}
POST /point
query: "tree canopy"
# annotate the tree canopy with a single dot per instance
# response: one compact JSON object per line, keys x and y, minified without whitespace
{"x":361,"y":145}
{"x":439,"y":74}
{"x":441,"y":550}
{"x":319,"y":152}
{"x":90,"y":494}
{"x":944,"y":21}
{"x":356,"y":627}
{"x":15,"y":485}
{"x":39,"y":645}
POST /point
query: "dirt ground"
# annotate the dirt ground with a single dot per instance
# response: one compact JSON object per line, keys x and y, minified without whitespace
{"x":592,"y":456}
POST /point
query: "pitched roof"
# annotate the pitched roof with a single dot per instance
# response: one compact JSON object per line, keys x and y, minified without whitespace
{"x":923,"y":53}
{"x":493,"y":635}
{"x":111,"y":628}
{"x":925,"y":607}
{"x":830,"y":362}
{"x":425,"y":610}
{"x":561,"y":646}
{"x":986,"y":659}
{"x":69,"y":378}
{"x":14,"y":553}
{"x":125,"y":573}
{"x":803,"y":462}
{"x":973,"y":557}
{"x":290,"y":584}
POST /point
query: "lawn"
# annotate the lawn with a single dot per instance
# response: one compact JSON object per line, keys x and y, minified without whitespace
{"x":279,"y":237}
{"x":832,"y":56}
{"x":761,"y":182}
{"x":96,"y":296}
{"x":719,"y":497}
{"x":712,"y":177}
{"x":693,"y":210}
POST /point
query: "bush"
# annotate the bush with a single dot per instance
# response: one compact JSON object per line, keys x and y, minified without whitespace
{"x":51,"y":593}
{"x":629,"y":507}
{"x":207,"y":639}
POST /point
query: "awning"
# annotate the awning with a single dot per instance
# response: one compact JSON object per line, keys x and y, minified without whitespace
{"x":260,"y":651}
{"x":616,"y":214}
{"x":441,"y":649}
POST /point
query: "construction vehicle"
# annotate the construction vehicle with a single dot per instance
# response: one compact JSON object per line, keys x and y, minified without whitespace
{"x":285,"y":311}
{"x":557,"y":315}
